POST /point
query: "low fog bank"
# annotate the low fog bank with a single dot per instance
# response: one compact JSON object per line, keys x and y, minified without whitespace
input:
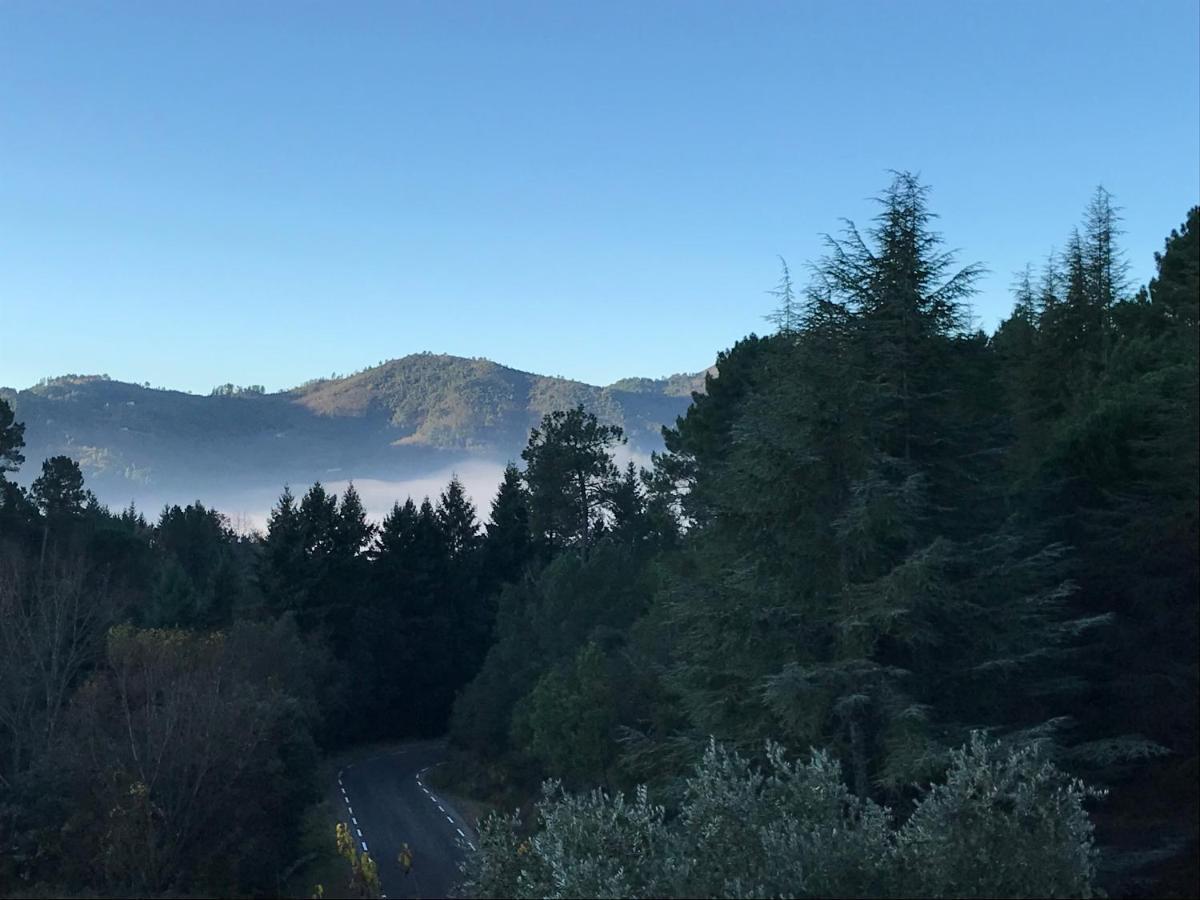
{"x":248,"y":506}
{"x":480,"y":478}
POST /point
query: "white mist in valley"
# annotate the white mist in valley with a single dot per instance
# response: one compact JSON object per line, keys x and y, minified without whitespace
{"x":248,"y":508}
{"x":248,"y":511}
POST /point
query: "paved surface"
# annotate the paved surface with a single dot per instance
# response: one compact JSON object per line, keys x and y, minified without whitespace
{"x":387,"y":802}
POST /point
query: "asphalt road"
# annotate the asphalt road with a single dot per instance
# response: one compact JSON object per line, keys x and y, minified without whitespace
{"x":387,"y":802}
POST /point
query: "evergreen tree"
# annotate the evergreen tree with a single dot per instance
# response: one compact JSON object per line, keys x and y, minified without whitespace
{"x":850,"y":528}
{"x":393,"y":541}
{"x":627,"y":503}
{"x":12,"y":439}
{"x":59,"y":490}
{"x":17,"y":512}
{"x":704,"y":435}
{"x":199,"y":585}
{"x":567,"y":466}
{"x":320,"y":524}
{"x":470,"y":611}
{"x":282,"y":560}
{"x":354,"y":532}
{"x":456,"y":515}
{"x":507,"y":544}
{"x":408,"y":630}
{"x":787,"y":314}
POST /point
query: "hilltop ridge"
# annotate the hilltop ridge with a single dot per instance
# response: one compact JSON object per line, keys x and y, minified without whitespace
{"x":400,"y":418}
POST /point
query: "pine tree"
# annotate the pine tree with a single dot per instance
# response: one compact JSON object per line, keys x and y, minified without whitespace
{"x":281,"y":569}
{"x":849,"y":518}
{"x":12,"y":439}
{"x":394,"y":540}
{"x":456,"y":515}
{"x":786,"y":316}
{"x":704,"y":435}
{"x":409,"y":629}
{"x":319,"y":523}
{"x":507,"y":545}
{"x":354,"y":533}
{"x":59,"y":490}
{"x":627,"y":503}
{"x":567,"y":465}
{"x":1104,"y":261}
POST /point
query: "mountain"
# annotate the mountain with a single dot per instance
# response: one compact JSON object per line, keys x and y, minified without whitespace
{"x":406,"y":419}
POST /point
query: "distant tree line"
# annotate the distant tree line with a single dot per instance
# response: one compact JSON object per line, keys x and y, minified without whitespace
{"x":878,"y":532}
{"x":228,"y":389}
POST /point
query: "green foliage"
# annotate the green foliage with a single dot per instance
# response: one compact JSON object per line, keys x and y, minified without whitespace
{"x":12,"y":439}
{"x":407,"y":622}
{"x":508,"y":542}
{"x":189,"y":759}
{"x":409,"y":412}
{"x":791,"y":829}
{"x":364,"y":870}
{"x":446,"y":401}
{"x":313,"y":563}
{"x":456,"y":516}
{"x":543,"y":622}
{"x":896,"y":531}
{"x":568,"y":720}
{"x":59,"y":490}
{"x":1106,"y":399}
{"x":1004,"y":824}
{"x":567,"y":468}
{"x":228,"y":389}
{"x":874,"y":532}
{"x":853,"y":579}
{"x":200,"y":582}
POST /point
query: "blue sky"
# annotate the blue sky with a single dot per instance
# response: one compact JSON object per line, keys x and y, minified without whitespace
{"x":194,"y":193}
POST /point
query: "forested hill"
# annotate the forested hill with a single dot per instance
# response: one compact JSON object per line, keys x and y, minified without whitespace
{"x":901,"y":609}
{"x":401,"y":419}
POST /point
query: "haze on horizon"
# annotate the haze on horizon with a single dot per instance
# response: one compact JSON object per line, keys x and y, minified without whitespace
{"x":797,"y":406}
{"x":229,"y":194}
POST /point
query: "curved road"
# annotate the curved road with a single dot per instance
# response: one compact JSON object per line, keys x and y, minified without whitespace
{"x":388,"y":803}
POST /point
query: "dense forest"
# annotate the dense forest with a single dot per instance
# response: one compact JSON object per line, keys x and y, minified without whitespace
{"x":902,"y":608}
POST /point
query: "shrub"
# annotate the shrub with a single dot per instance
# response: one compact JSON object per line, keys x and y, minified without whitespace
{"x":1005,"y":823}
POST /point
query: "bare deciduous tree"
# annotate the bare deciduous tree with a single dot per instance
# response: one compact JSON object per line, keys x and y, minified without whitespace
{"x":52,"y":619}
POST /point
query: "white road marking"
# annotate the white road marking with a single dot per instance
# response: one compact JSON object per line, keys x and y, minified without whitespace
{"x":354,"y":820}
{"x":364,"y":843}
{"x":460,"y":832}
{"x":359,"y":830}
{"x":442,"y":808}
{"x":448,"y":819}
{"x":349,"y":807}
{"x":469,"y":844}
{"x":434,"y":798}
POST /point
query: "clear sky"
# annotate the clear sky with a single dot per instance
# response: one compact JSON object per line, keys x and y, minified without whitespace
{"x":264,"y":192}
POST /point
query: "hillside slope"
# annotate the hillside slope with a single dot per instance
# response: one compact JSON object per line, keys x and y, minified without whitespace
{"x":401,"y":419}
